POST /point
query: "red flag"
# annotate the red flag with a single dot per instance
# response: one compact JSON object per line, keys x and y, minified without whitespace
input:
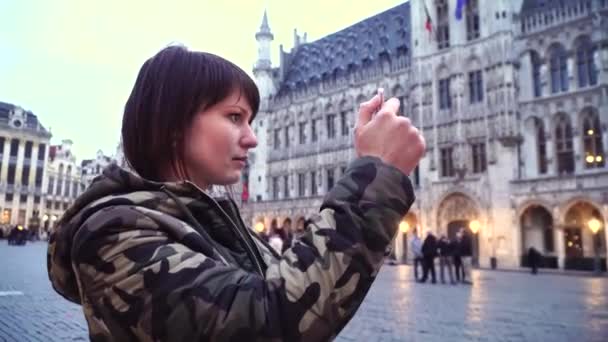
{"x":428,"y":25}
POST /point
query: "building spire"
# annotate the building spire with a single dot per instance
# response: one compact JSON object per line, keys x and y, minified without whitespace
{"x":264,"y":31}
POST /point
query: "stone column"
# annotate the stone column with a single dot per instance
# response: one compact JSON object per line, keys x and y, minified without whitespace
{"x":560,"y":248}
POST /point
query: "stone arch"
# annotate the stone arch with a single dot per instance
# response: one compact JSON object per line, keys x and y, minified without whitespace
{"x":472,"y":62}
{"x":533,"y":202}
{"x":580,"y":40}
{"x":566,"y":206}
{"x":579,"y":241}
{"x":442,"y":71}
{"x":552,"y":47}
{"x":454,"y":210}
{"x":537,"y":230}
{"x":397,"y":90}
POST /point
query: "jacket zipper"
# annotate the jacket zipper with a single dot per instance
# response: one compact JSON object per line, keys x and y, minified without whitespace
{"x":234,"y":228}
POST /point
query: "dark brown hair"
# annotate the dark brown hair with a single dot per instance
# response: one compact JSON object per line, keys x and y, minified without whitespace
{"x":170,"y":89}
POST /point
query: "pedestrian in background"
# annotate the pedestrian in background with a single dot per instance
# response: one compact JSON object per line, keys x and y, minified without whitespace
{"x":429,"y":253}
{"x":416,"y":245}
{"x":446,"y":255}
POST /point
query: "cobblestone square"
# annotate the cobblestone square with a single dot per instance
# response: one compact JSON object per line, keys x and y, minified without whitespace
{"x":499,"y":306}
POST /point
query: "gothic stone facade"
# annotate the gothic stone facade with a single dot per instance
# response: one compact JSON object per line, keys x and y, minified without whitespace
{"x":511,"y":99}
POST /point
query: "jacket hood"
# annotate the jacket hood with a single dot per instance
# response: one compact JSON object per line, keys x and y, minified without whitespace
{"x":115,"y":186}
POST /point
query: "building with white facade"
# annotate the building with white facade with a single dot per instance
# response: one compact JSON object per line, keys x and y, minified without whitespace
{"x":512,"y":99}
{"x":92,"y":168}
{"x":23,"y":156}
{"x":64,"y":182}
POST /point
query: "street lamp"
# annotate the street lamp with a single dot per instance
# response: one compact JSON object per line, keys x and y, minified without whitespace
{"x":404,"y":227}
{"x":474,"y":226}
{"x":259,"y":227}
{"x":595,"y":225}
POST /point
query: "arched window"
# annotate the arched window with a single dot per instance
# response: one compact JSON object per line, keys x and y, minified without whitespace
{"x":563,"y":144}
{"x":558,"y":63}
{"x":592,"y":140}
{"x":443,"y":24}
{"x":472,"y":15}
{"x":541,"y":146}
{"x":536,"y":64}
{"x":585,"y":67}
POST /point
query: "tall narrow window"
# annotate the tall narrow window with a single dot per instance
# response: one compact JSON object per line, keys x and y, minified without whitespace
{"x":313,"y":133}
{"x":443,"y":25}
{"x":275,"y":188}
{"x":475,"y":87}
{"x":592,"y":141}
{"x":287,"y":136}
{"x":536,"y":65}
{"x":479,"y":157}
{"x":330,"y":179}
{"x":313,"y":182}
{"x":344,"y":122}
{"x":285,"y":186}
{"x":41,"y":151}
{"x":563,"y":145}
{"x":445,"y":101}
{"x":541,"y":146}
{"x":586,"y":70}
{"x":25,"y":175}
{"x":28,"y":150}
{"x":559,"y":69}
{"x":14,"y":147}
{"x":301,"y":184}
{"x":277,"y":140}
{"x":302,"y":132}
{"x":447,"y":164}
{"x":331,"y":126}
{"x":472,"y":18}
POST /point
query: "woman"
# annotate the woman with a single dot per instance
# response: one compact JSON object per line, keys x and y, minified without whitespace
{"x":152,"y":256}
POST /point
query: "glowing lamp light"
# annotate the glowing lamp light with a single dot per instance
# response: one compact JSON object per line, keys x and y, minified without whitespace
{"x":259,"y":227}
{"x":474,"y":226}
{"x":404,"y":226}
{"x":598,"y":159}
{"x":590,"y":159}
{"x":45,"y":217}
{"x":590,"y":132}
{"x":594,"y":225}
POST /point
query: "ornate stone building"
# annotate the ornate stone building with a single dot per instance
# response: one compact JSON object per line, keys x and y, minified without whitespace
{"x":91,"y":168}
{"x":511,"y":97}
{"x":64,"y":182}
{"x":23,"y":158}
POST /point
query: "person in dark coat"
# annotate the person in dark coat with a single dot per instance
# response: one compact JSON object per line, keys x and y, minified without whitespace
{"x":465,"y":247}
{"x":429,"y":253}
{"x":456,"y":259}
{"x":446,"y":253}
{"x":534,"y":258}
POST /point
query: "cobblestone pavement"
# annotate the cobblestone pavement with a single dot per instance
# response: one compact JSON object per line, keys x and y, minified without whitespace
{"x":499,"y":306}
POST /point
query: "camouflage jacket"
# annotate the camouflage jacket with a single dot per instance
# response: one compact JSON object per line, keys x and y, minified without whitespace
{"x":166,"y":262}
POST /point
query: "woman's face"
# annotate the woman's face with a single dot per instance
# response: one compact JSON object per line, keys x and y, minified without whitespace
{"x":217,"y":141}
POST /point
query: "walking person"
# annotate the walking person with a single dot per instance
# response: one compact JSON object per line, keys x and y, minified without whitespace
{"x":151,"y":255}
{"x":456,"y":258}
{"x":446,"y":254}
{"x":429,"y":253}
{"x":466,"y":256}
{"x":416,"y":246}
{"x":534,"y":259}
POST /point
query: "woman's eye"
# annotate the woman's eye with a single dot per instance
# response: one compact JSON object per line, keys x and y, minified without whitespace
{"x":235,"y":117}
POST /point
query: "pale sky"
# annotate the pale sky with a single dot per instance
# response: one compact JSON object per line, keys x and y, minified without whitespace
{"x":73,"y":62}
